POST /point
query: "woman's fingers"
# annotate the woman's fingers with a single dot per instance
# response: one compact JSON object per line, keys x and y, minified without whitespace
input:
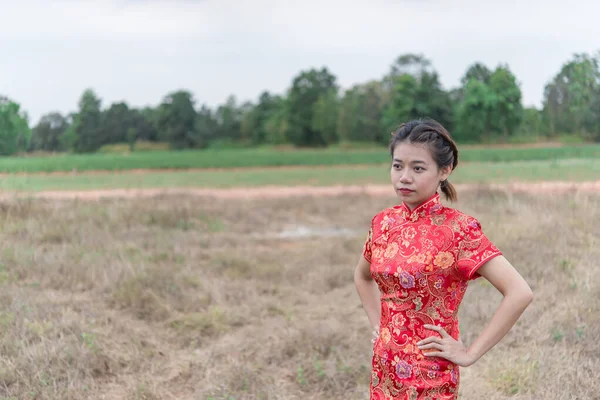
{"x":430,"y":339}
{"x":432,"y":346}
{"x":437,"y":329}
{"x":435,"y":354}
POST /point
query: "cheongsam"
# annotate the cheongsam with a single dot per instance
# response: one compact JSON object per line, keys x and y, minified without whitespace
{"x":422,"y":261}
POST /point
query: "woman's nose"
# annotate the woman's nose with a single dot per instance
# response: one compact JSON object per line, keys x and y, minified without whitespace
{"x":405,"y":176}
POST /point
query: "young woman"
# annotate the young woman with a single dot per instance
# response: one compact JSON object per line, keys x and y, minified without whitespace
{"x":414,"y":270}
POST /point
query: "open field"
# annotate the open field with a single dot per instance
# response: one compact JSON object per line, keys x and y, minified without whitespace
{"x":237,"y":158}
{"x":190,"y":298}
{"x":576,"y":170}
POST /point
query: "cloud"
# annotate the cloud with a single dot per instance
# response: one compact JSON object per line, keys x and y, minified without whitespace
{"x":110,"y":19}
{"x":139,"y":50}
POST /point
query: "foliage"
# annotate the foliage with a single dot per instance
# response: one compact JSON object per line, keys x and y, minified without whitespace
{"x":313,"y":93}
{"x":572,"y":98}
{"x":486,"y":107}
{"x":15,"y":134}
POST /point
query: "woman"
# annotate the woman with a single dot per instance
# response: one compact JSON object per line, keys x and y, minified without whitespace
{"x":414,"y":270}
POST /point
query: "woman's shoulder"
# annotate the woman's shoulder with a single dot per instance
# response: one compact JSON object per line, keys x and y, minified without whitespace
{"x":384,"y":213}
{"x":461,"y":219}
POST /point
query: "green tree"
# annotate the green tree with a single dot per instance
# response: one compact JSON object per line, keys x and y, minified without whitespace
{"x":116,"y":122}
{"x":360,"y":113}
{"x":276,"y":126}
{"x":473,"y":122}
{"x":14,"y":127}
{"x":206,"y":126}
{"x":371,"y":102}
{"x":348,"y":117}
{"x":477,"y":71}
{"x":85,"y":134}
{"x":532,"y":125}
{"x":177,"y":121}
{"x":146,"y":124}
{"x":325,"y":116}
{"x":229,"y":118}
{"x":247,"y":122}
{"x":414,"y":91}
{"x":262,"y":112}
{"x":570,"y":98}
{"x":402,"y":102}
{"x":411,"y":64}
{"x":47,"y":134}
{"x":507,"y":113}
{"x":307,"y":88}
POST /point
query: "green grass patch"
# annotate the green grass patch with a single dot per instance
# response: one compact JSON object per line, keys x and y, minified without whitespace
{"x":268,"y":157}
{"x":566,"y":170}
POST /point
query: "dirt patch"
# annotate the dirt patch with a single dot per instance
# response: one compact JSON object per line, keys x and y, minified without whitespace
{"x":270,"y":192}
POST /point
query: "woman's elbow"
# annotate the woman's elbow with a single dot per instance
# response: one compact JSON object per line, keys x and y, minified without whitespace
{"x":525,"y":295}
{"x":529,"y":295}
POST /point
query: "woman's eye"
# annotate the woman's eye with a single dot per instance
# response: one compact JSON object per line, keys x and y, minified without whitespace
{"x":396,"y":166}
{"x":419,"y":169}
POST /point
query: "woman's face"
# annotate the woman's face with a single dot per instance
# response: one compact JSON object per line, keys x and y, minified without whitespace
{"x":415,"y":174}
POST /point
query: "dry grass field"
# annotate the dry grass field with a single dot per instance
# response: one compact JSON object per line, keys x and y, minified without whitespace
{"x":182,"y":297}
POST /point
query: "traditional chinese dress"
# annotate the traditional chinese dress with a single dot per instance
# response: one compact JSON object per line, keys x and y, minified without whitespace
{"x":422,"y":261}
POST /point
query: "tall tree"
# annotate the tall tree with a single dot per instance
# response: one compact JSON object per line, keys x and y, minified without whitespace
{"x":177,"y":120}
{"x":85,"y":133}
{"x":474,"y":114}
{"x":147,"y":124}
{"x":348,"y":117}
{"x":477,"y":71}
{"x":325,"y":116}
{"x":507,"y":112}
{"x":206,"y":126}
{"x":407,"y":64}
{"x":570,"y":97}
{"x":307,"y":88}
{"x":247,"y":122}
{"x":369,"y":105}
{"x":532,"y":125}
{"x":276,"y":126}
{"x":47,"y":134}
{"x":229,"y":118}
{"x":14,"y":127}
{"x":401,"y":106}
{"x":414,"y":91}
{"x":116,"y":122}
{"x":267,"y":105}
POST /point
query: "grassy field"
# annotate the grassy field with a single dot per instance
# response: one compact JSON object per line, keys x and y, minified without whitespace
{"x":568,"y":169}
{"x":268,"y":157}
{"x":188,"y":298}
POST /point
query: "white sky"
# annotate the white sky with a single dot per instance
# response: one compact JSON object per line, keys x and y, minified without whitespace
{"x":139,"y":50}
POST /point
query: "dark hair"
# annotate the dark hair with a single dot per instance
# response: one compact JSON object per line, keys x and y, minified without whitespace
{"x":443,"y":149}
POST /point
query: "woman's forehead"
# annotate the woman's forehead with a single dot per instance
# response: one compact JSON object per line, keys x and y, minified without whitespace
{"x":408,"y":152}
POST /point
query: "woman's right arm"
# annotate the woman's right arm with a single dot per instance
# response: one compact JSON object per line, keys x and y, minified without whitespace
{"x":368,"y":291}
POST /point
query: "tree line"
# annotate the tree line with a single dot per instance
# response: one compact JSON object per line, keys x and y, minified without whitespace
{"x":315,"y":112}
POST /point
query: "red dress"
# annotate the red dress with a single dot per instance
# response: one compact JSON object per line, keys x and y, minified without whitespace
{"x":422,"y":262}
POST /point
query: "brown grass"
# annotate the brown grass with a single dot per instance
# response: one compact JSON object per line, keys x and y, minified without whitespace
{"x":188,"y":298}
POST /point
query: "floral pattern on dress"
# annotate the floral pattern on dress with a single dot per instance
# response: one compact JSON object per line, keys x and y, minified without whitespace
{"x":422,"y":262}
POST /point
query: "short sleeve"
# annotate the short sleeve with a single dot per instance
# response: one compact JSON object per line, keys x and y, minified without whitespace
{"x":367,"y":247}
{"x":474,"y":249}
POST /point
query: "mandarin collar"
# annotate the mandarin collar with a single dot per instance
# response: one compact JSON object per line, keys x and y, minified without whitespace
{"x":433,"y":205}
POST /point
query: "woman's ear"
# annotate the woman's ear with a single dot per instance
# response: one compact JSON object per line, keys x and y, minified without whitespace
{"x":446,"y":171}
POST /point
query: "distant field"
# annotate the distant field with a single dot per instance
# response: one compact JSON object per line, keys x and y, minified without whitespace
{"x":476,"y":172}
{"x":268,"y":158}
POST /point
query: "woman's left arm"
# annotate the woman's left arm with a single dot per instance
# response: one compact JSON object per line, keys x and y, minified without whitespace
{"x":517,"y":296}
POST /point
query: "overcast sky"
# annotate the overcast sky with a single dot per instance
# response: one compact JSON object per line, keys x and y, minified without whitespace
{"x":139,"y":50}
